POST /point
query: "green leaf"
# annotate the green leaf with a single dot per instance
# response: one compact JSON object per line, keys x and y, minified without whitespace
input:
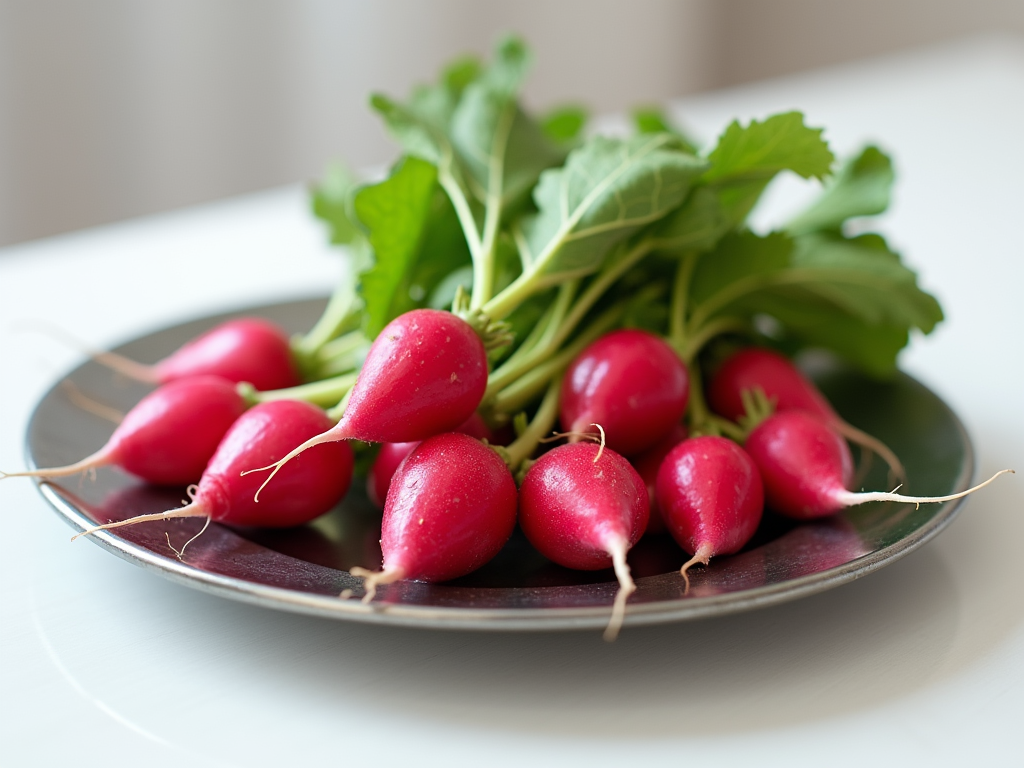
{"x":653,"y":120}
{"x":501,"y":148}
{"x":866,"y":279}
{"x":331,"y":201}
{"x":851,"y":295}
{"x":697,"y":225}
{"x":862,"y":187}
{"x":563,"y":125}
{"x":416,"y":241}
{"x":747,"y":158}
{"x":741,"y":263}
{"x":813,"y":322}
{"x":421,"y":125}
{"x":762,"y":149}
{"x":607,"y":190}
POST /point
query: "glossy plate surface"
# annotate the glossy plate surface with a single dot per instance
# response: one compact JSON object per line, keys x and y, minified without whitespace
{"x":304,"y":569}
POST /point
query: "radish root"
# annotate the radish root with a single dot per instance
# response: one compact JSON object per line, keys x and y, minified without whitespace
{"x":702,"y":556}
{"x":89,"y":463}
{"x":373,"y":579}
{"x":861,"y":438}
{"x":329,"y":436}
{"x":117,"y":363}
{"x":850,"y":499}
{"x":192,"y":510}
{"x":87,"y":404}
{"x":180,"y":553}
{"x":626,"y":587}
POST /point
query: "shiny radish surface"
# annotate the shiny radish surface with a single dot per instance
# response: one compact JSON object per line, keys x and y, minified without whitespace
{"x":450,"y":508}
{"x":630,"y":382}
{"x":424,"y":374}
{"x":647,"y":465}
{"x":583,"y":506}
{"x":391,"y":455}
{"x":305,"y":489}
{"x":711,"y":497}
{"x":168,"y":437}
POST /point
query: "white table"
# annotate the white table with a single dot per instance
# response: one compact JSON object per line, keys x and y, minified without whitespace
{"x":104,"y":664}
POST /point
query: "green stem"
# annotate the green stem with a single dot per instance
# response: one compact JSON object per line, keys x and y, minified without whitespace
{"x":338,"y":411}
{"x":695,"y":343}
{"x":541,"y":424}
{"x":680,"y":296}
{"x":537,"y":346}
{"x":341,"y":346}
{"x":322,"y":393}
{"x":461,"y":205}
{"x":526,"y":388}
{"x":336,"y":318}
{"x":699,"y":414}
{"x":484,"y":260}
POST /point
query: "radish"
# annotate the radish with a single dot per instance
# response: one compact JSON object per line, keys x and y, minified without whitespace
{"x":391,"y":455}
{"x":450,"y":508}
{"x":711,"y":497}
{"x":647,"y":465}
{"x":787,"y":388}
{"x":248,"y":349}
{"x":806,"y":468}
{"x":169,"y":436}
{"x":583,"y":506}
{"x":424,"y":374}
{"x":306,"y":490}
{"x":630,"y":382}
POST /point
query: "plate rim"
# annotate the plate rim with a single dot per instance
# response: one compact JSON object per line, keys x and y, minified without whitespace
{"x":530,"y":619}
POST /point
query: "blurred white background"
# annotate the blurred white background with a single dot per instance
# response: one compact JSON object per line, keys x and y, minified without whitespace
{"x":115,"y":108}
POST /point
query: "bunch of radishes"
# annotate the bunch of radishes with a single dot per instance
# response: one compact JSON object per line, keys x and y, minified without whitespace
{"x":512,"y":275}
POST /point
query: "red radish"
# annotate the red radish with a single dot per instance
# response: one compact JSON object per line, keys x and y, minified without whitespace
{"x":806,"y":468}
{"x":424,"y":374}
{"x":630,"y":382}
{"x":450,"y":508}
{"x":169,"y":436}
{"x":583,"y":506}
{"x":391,"y":455}
{"x":308,"y":488}
{"x":782,"y":382}
{"x":247,"y":349}
{"x":647,"y":465}
{"x":711,"y":497}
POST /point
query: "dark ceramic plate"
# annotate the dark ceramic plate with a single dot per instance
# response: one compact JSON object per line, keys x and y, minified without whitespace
{"x":304,"y":569}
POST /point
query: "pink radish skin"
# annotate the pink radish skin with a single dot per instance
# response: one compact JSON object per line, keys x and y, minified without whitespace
{"x":630,"y":382}
{"x":305,"y":490}
{"x":169,"y":436}
{"x":450,"y":508}
{"x":647,"y":465}
{"x":392,"y":454}
{"x":248,"y":349}
{"x":806,"y":467}
{"x":711,"y":497}
{"x":782,"y":382}
{"x":583,"y":506}
{"x":424,"y":374}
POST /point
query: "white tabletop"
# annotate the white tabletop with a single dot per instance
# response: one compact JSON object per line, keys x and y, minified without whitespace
{"x":104,"y":664}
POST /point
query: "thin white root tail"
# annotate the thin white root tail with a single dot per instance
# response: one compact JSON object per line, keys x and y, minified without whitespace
{"x":325,"y":437}
{"x":374,"y":579}
{"x":112,"y":360}
{"x":81,"y":400}
{"x":702,"y":556}
{"x":854,"y":435}
{"x":98,"y":459}
{"x":180,"y":553}
{"x":626,"y":588}
{"x":191,"y":510}
{"x":850,"y":499}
